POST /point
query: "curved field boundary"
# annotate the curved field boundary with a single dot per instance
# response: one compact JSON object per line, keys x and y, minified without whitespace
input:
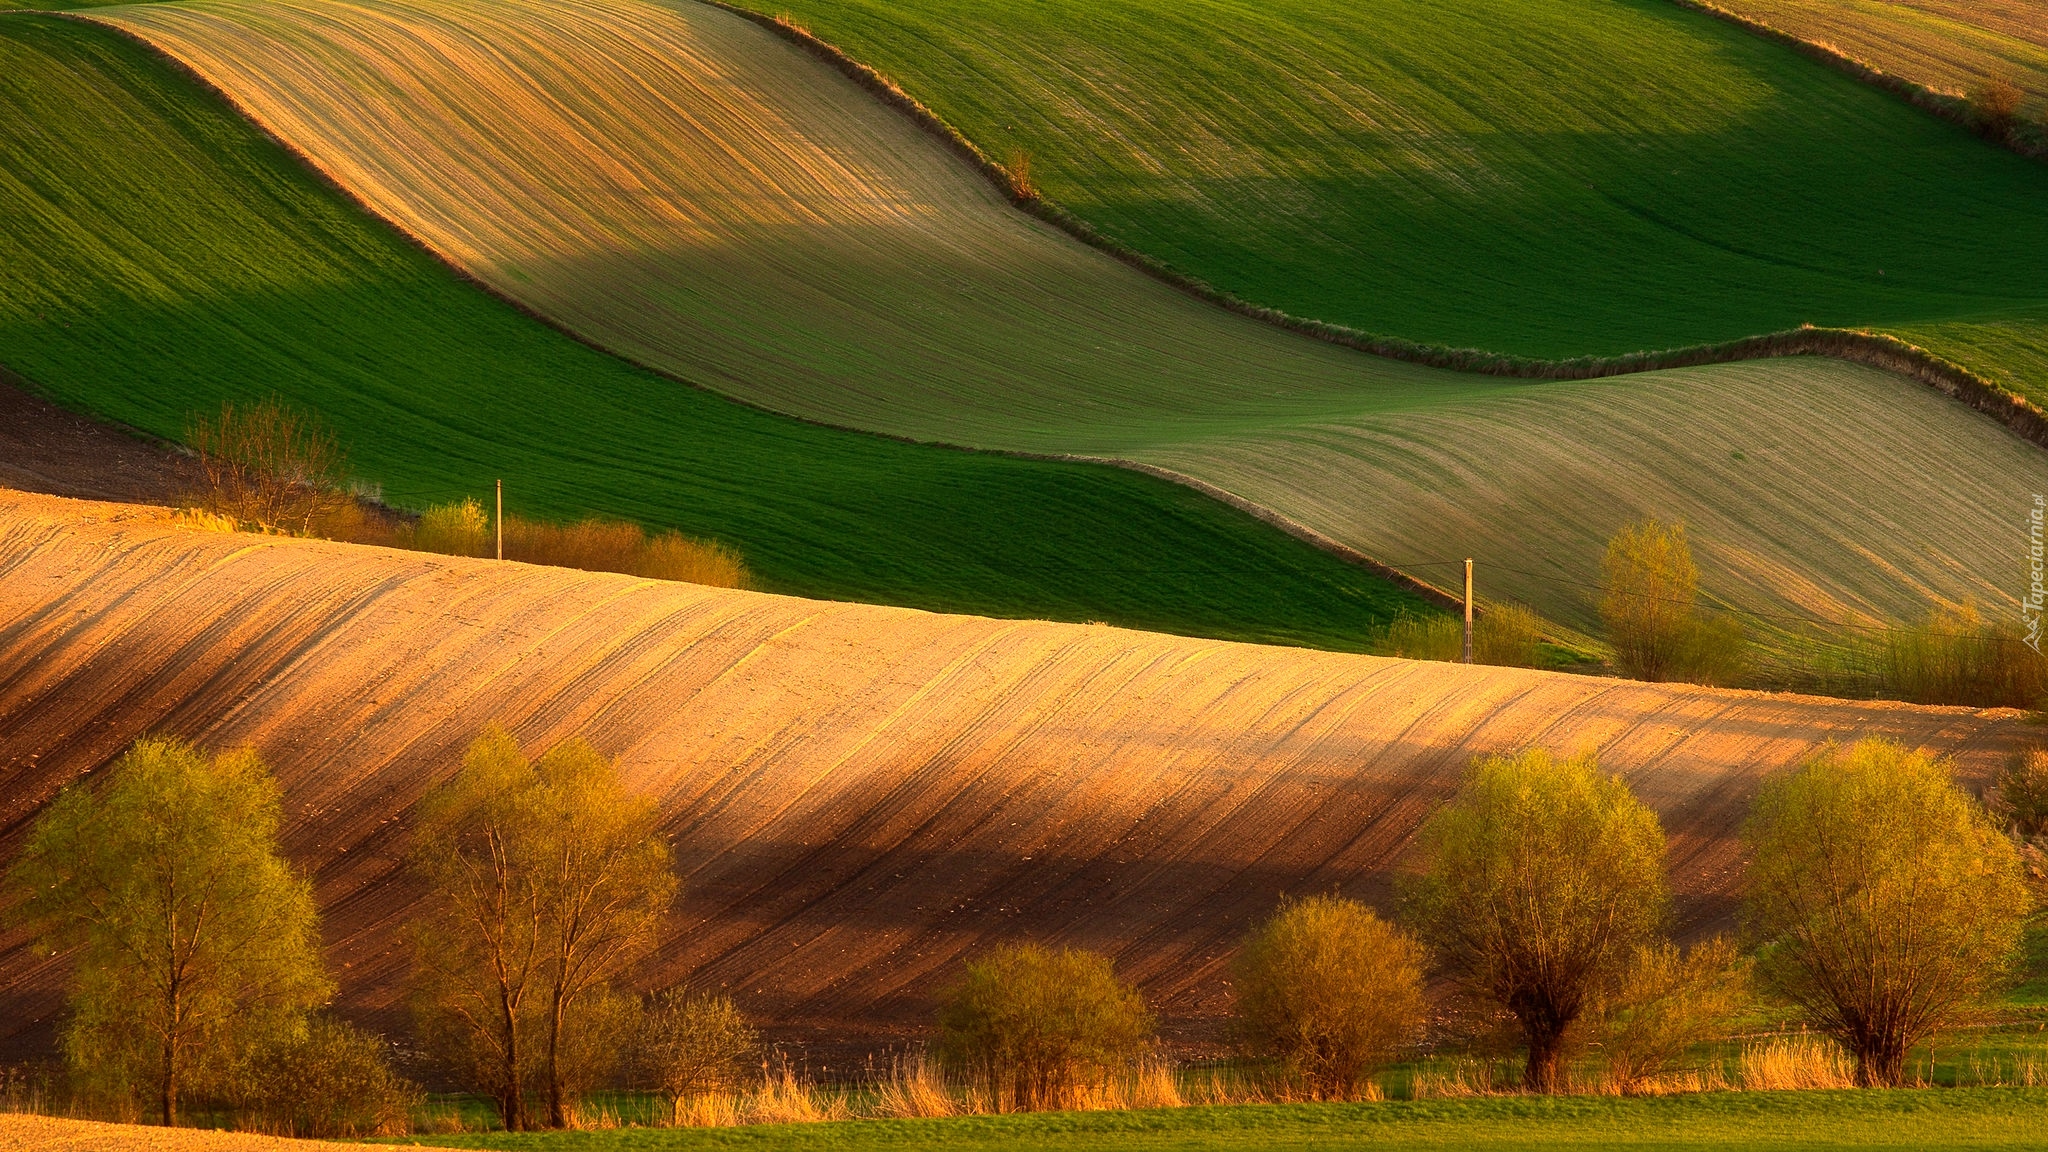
{"x":1877,"y":350}
{"x":859,"y":796}
{"x":692,"y":191}
{"x":1946,"y":105}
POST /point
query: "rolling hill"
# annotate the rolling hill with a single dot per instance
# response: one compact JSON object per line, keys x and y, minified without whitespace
{"x":674,"y":182}
{"x":858,"y":795}
{"x":1557,"y":179}
{"x":161,"y":256}
{"x":1949,"y":45}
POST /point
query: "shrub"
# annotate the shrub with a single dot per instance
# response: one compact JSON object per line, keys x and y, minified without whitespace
{"x":1649,"y":584}
{"x":1996,"y":103}
{"x":1330,"y":990}
{"x":192,"y":935}
{"x":1665,"y":1004}
{"x":1503,"y":634}
{"x":268,"y":465}
{"x":673,"y":556}
{"x":1036,"y":1027}
{"x":1886,"y":900}
{"x":1540,"y":880}
{"x":459,"y":529}
{"x":1957,"y":657}
{"x":1649,"y":604}
{"x":694,"y":1044}
{"x":325,"y":1079}
{"x":2022,"y":797}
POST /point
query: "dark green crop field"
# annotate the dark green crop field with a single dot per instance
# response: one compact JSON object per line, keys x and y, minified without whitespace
{"x":161,"y":256}
{"x":1546,"y":177}
{"x":1719,"y":1122}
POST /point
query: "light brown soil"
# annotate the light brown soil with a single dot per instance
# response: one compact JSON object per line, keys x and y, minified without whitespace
{"x":859,"y":796}
{"x":49,"y":1134}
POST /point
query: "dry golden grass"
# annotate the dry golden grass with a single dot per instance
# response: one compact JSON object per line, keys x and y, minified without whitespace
{"x":859,"y":796}
{"x":683,"y":186}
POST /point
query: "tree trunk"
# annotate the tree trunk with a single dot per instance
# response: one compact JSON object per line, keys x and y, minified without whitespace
{"x":512,"y":1103}
{"x":169,"y":1082}
{"x":1545,"y":1049}
{"x":557,"y":1114}
{"x":1880,"y":1062}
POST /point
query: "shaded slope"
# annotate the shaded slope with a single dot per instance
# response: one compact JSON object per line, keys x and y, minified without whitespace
{"x":1560,"y":178}
{"x":682,"y":185}
{"x":159,"y":256}
{"x":858,"y":795}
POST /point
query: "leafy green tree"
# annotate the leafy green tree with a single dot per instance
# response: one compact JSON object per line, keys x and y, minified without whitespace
{"x":1332,"y":991}
{"x":1667,"y":1003}
{"x":1540,"y":880}
{"x":1036,"y":1026}
{"x":194,"y":939}
{"x":548,"y":883}
{"x":1886,"y":900}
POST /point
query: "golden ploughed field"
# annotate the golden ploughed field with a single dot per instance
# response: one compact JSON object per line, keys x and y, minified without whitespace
{"x":22,"y":1133}
{"x":859,"y":796}
{"x":679,"y":185}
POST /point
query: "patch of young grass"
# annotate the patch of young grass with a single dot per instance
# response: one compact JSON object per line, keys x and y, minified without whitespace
{"x":1906,"y":1118}
{"x":1555,"y":179}
{"x":161,"y":256}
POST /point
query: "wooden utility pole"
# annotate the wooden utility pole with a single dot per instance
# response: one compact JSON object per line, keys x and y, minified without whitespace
{"x":1468,"y":609}
{"x":1468,"y":569}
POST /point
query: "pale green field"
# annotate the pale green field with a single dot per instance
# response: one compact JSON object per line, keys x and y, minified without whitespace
{"x":681,"y":186}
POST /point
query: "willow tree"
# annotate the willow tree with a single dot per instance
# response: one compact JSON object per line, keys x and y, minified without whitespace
{"x":1886,"y":900}
{"x":1540,"y":881}
{"x":193,"y":939}
{"x":547,"y":882}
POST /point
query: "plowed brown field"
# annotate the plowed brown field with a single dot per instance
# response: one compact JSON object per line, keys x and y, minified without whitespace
{"x":858,"y":795}
{"x":49,"y":1134}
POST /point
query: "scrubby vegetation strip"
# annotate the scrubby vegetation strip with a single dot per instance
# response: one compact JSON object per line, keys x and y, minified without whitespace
{"x":1878,"y":350}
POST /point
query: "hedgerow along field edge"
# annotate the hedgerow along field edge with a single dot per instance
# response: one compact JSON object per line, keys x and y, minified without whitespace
{"x":1592,"y":177}
{"x":791,"y":240}
{"x":165,"y":257}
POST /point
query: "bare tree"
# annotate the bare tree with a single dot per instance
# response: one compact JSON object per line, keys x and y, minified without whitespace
{"x":267,"y":464}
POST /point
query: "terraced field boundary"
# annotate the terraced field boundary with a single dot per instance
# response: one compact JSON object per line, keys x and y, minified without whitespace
{"x":1946,"y":105}
{"x":1874,"y":349}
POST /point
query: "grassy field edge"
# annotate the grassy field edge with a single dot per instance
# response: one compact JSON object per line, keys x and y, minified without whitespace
{"x":1945,"y":105}
{"x":1873,"y":349}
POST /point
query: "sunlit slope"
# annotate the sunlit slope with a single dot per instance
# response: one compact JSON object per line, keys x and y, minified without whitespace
{"x":678,"y":183}
{"x":1550,"y":177}
{"x":158,"y":256}
{"x":858,"y":795}
{"x":1952,"y":45}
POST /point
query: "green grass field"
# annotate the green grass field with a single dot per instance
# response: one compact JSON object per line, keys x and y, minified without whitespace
{"x":1734,"y":1122}
{"x":1555,"y":179}
{"x":686,"y":187}
{"x":161,"y":256}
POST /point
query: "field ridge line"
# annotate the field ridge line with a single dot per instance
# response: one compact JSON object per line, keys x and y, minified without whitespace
{"x":1872,"y":349}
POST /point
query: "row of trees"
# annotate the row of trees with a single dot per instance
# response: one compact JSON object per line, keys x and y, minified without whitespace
{"x":1880,"y":899}
{"x":198,"y":972}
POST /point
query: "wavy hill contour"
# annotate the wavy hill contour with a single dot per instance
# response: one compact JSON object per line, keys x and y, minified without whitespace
{"x":859,"y":796}
{"x":678,"y":184}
